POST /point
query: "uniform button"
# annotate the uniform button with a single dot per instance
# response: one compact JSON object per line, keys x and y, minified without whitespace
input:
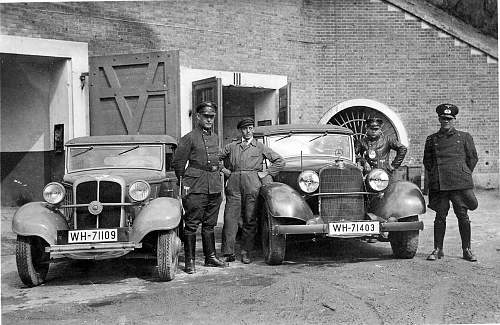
{"x":208,"y":161}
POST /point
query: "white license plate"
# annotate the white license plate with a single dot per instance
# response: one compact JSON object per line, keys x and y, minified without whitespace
{"x":92,"y":236}
{"x":353,"y":228}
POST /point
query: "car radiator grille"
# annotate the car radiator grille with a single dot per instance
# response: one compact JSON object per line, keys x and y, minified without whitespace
{"x":341,"y":207}
{"x":104,"y":192}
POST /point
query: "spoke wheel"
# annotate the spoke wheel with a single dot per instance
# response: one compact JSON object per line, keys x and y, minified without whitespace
{"x":32,"y":260}
{"x":167,"y":251}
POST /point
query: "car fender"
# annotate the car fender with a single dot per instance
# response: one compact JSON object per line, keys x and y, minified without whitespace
{"x":162,"y":213}
{"x":285,"y":202}
{"x":37,"y":219}
{"x":401,"y":199}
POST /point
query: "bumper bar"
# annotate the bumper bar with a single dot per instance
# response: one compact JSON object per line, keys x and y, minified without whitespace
{"x":92,"y":248}
{"x":323,"y":228}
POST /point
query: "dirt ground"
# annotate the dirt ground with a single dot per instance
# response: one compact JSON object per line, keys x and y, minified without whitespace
{"x":329,"y":282}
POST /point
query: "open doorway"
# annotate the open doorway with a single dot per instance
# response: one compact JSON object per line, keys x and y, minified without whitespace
{"x":243,"y":102}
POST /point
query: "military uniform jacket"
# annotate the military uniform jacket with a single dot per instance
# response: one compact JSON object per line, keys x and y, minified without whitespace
{"x":376,"y":153}
{"x":449,"y":159}
{"x":201,"y":150}
{"x":251,"y":156}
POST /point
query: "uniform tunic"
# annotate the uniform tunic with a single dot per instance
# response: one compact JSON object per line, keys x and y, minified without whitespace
{"x":243,"y":185}
{"x":376,"y":152}
{"x":201,"y":180}
{"x":449,"y":159}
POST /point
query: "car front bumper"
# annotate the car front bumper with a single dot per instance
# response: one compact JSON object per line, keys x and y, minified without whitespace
{"x":92,"y":250}
{"x":324,"y":228}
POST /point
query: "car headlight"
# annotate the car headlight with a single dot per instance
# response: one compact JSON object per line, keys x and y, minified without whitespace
{"x":377,"y":180}
{"x":54,"y":193}
{"x":308,"y":181}
{"x":139,"y":191}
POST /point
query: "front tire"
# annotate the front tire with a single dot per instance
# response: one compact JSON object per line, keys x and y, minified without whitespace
{"x":32,"y":260}
{"x":273,"y":246}
{"x":167,"y":251}
{"x":404,"y":243}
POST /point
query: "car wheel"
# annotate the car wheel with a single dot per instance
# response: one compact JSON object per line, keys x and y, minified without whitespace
{"x":273,"y":246}
{"x":404,"y":243}
{"x":32,"y":260}
{"x":167,"y":251}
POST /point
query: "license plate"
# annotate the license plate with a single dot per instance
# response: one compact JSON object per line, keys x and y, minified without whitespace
{"x":353,"y":228}
{"x":92,"y":236}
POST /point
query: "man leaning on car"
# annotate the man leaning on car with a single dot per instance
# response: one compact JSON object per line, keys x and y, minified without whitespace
{"x":201,"y":185}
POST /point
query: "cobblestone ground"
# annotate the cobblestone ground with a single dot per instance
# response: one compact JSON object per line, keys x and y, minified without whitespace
{"x":334,"y":282}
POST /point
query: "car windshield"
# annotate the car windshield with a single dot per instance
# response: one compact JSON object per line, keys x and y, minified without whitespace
{"x":311,"y":144}
{"x":115,"y":156}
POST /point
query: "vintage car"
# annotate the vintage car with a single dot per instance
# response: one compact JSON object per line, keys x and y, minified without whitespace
{"x":118,"y":196}
{"x":322,"y":191}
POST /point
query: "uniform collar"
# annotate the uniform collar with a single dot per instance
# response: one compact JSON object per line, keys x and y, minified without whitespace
{"x":250,"y":141}
{"x":203,"y":131}
{"x":452,"y":131}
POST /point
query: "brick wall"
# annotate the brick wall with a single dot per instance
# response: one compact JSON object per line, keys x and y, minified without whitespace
{"x":331,"y":51}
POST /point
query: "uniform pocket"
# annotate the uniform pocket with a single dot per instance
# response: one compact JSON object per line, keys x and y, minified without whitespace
{"x":193,"y":172}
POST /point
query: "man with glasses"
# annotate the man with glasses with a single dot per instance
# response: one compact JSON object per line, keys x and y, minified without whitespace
{"x":201,"y":185}
{"x":449,"y":159}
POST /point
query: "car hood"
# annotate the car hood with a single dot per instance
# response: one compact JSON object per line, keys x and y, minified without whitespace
{"x":311,"y":162}
{"x":128,"y":175}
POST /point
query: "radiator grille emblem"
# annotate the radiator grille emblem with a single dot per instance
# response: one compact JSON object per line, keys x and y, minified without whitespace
{"x":95,"y":207}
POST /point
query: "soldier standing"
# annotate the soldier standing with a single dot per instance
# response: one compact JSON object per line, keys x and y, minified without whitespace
{"x":375,"y":148}
{"x":202,"y":186}
{"x":449,"y":159}
{"x":246,"y":176}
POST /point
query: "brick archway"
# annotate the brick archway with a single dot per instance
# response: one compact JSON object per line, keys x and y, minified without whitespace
{"x":383,"y":109}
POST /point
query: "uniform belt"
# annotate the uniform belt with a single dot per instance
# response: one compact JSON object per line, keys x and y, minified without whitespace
{"x":208,"y":168}
{"x":246,"y":170}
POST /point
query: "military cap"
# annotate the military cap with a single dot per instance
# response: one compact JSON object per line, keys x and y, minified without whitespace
{"x":206,"y":108}
{"x":245,"y":122}
{"x":374,"y":122}
{"x":447,"y":110}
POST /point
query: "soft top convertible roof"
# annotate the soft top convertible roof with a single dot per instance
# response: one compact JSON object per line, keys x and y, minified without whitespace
{"x":122,"y":139}
{"x":300,"y":128}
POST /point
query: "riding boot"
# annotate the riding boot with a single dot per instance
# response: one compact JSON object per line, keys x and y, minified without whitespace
{"x":208,"y":240}
{"x":464,"y":228}
{"x":189,"y":252}
{"x":439,"y":231}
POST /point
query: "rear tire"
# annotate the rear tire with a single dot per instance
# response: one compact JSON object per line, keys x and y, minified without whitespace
{"x":167,"y":251}
{"x":273,"y":246}
{"x":32,"y":260}
{"x":404,"y":243}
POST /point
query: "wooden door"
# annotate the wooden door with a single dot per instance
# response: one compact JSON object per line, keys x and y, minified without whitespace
{"x":135,"y":94}
{"x":284,"y":105}
{"x":209,"y":89}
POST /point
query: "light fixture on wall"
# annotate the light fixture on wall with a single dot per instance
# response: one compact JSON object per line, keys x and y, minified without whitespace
{"x":83,"y":76}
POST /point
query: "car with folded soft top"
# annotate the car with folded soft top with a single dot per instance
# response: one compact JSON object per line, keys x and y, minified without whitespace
{"x":322,"y":191}
{"x":118,"y":197}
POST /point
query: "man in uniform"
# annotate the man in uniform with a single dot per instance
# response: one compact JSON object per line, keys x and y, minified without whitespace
{"x":245,"y":177}
{"x":201,"y":185}
{"x":449,"y":159}
{"x":375,"y":148}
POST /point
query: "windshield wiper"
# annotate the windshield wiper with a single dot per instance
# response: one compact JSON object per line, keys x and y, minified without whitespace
{"x":84,"y":151}
{"x":319,"y":136}
{"x":133,"y":148}
{"x":284,"y":137}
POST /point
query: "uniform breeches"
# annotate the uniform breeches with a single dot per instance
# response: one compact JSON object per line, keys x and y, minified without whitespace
{"x":241,"y":194}
{"x":201,"y":208}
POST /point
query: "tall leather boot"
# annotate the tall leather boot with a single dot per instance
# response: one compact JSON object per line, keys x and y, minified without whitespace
{"x":439,"y":231}
{"x":208,"y":240}
{"x":189,"y":252}
{"x":464,"y":228}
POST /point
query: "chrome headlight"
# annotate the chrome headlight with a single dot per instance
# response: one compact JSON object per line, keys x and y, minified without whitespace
{"x":139,"y":190}
{"x":54,"y":193}
{"x":308,"y":181}
{"x":377,"y":180}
